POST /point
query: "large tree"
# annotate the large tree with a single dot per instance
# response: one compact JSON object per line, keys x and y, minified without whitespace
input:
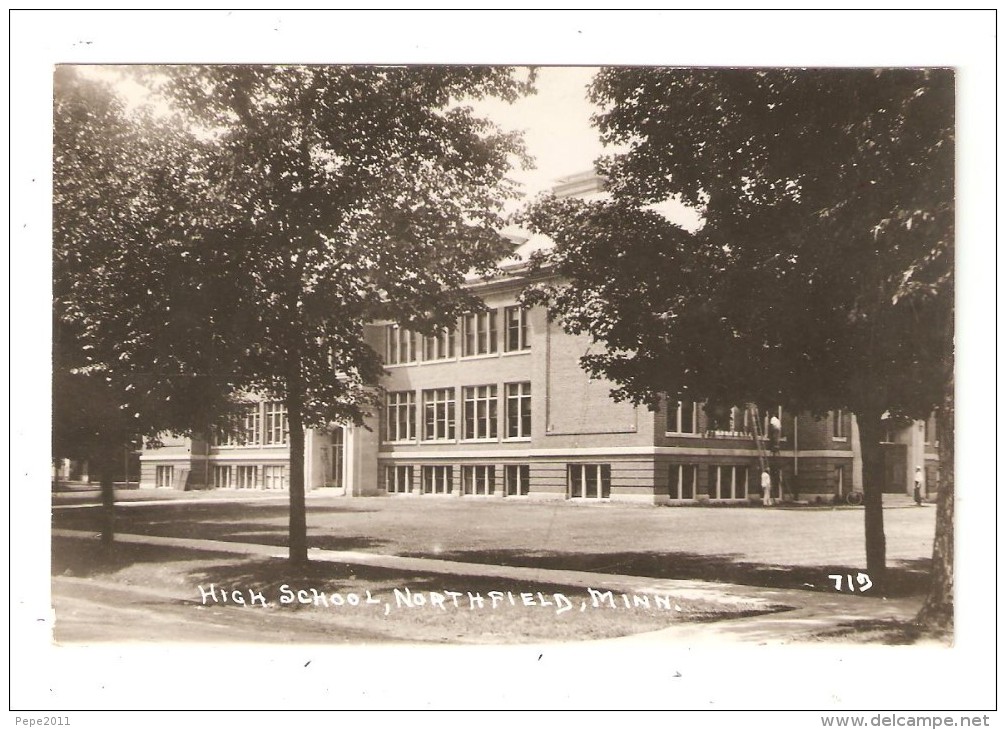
{"x":337,"y":196}
{"x":821,"y":276}
{"x":131,"y":353}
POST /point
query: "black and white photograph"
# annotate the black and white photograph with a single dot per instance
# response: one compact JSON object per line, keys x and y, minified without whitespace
{"x":514,"y":376}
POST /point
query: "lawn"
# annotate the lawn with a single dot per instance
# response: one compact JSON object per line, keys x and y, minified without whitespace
{"x":139,"y":592}
{"x":795,"y":548}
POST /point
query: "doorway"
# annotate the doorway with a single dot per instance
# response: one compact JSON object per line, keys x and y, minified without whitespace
{"x":336,"y":476}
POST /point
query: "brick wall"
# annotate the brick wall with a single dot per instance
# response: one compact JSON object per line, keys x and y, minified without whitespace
{"x":578,"y":411}
{"x":818,"y":477}
{"x":816,"y":434}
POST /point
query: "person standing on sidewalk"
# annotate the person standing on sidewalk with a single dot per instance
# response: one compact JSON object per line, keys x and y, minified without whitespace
{"x":766,"y":488}
{"x":918,"y":486}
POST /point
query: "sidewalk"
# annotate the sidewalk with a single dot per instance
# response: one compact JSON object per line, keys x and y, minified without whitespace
{"x":796,"y":613}
{"x":81,"y":499}
{"x":90,"y":496}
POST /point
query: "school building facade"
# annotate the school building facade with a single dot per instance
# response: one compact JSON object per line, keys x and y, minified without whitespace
{"x":499,"y":407}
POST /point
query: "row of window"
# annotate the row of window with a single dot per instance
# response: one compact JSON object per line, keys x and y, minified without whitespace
{"x":232,"y":476}
{"x":479,"y":413}
{"x":263,"y":424}
{"x":476,"y":479}
{"x":725,"y":482}
{"x":583,"y":481}
{"x":683,"y":418}
{"x":479,"y":336}
{"x":249,"y":476}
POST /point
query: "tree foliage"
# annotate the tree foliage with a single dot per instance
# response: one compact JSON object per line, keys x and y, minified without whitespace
{"x":822,"y":274}
{"x":346,"y":194}
{"x":330,"y":197}
{"x":131,"y":302}
{"x":827,"y":200}
{"x":132,"y":355}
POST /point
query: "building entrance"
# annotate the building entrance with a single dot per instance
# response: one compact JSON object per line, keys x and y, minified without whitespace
{"x":337,"y":475}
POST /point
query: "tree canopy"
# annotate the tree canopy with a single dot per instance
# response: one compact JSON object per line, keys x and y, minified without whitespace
{"x":130,"y":355}
{"x":133,"y":354}
{"x":822,"y":274}
{"x":312,"y":201}
{"x":346,"y":195}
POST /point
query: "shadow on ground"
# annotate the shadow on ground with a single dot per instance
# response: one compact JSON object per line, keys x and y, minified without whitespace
{"x":260,"y":524}
{"x":137,"y":511}
{"x":87,"y":558}
{"x":890,"y":632}
{"x":268,"y":525}
{"x":908,"y":578}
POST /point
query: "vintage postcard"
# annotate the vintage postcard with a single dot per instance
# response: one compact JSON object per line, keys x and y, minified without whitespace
{"x":579,"y":380}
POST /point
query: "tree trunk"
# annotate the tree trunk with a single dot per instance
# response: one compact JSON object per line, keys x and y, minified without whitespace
{"x":298,"y":508}
{"x":106,"y":469}
{"x":938,"y":610}
{"x":873,"y":497}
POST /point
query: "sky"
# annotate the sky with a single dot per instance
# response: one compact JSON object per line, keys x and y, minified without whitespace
{"x":556,"y":125}
{"x":559,"y":134}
